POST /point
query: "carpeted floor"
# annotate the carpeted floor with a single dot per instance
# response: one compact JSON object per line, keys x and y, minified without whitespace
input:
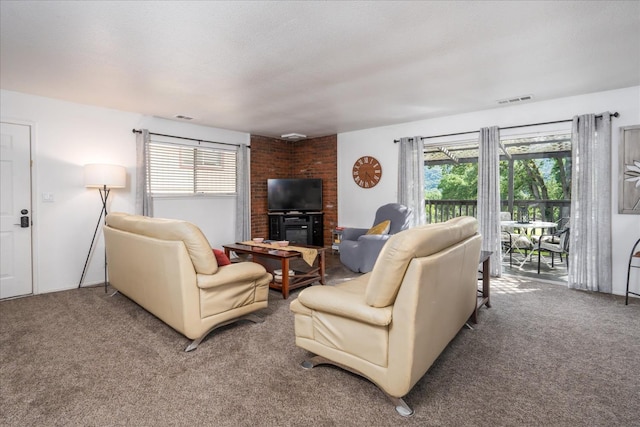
{"x":542,"y":355}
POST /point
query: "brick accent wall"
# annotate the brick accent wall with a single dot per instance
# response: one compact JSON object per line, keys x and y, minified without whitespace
{"x":310,"y":158}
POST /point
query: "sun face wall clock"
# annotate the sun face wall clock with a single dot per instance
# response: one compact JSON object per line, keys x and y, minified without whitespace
{"x":367,"y":172}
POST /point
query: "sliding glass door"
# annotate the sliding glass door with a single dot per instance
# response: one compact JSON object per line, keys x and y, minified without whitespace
{"x":535,"y":185}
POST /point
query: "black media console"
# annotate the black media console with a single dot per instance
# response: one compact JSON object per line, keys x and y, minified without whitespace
{"x":303,"y":228}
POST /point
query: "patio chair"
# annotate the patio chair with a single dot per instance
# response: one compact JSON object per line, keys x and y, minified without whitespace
{"x":561,"y":248}
{"x":553,"y":238}
{"x":512,"y":240}
{"x":506,"y":236}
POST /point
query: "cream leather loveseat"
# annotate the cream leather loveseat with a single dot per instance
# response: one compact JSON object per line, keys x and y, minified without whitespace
{"x":391,"y":324}
{"x":167,"y":266}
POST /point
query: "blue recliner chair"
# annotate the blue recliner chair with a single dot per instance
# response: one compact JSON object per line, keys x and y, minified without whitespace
{"x":359,"y":251}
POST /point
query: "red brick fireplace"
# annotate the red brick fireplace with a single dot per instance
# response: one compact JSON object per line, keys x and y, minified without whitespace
{"x":309,"y":158}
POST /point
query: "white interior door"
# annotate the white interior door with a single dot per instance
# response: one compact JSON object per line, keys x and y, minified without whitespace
{"x":15,"y":210}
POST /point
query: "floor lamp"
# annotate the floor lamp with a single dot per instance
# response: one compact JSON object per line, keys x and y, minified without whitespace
{"x":104,"y":178}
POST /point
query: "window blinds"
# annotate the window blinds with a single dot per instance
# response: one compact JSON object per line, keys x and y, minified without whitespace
{"x":185,"y":169}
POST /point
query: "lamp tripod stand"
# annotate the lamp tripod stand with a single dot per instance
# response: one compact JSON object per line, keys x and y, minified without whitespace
{"x":104,"y":195}
{"x":104,"y":178}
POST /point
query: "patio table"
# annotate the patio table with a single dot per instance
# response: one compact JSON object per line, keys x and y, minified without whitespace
{"x":528,"y":227}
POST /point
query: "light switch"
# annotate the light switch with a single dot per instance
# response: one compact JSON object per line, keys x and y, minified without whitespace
{"x":47,"y":197}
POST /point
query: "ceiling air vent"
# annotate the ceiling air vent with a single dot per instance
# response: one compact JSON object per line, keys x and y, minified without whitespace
{"x":181,"y":117}
{"x":515,"y":99}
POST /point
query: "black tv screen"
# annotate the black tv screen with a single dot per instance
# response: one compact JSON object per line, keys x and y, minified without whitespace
{"x":301,"y":194}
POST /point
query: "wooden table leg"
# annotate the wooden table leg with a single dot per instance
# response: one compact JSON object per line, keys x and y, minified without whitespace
{"x":483,"y":297}
{"x":485,"y":281}
{"x":321,"y":264}
{"x":285,"y":278}
{"x":474,"y":314}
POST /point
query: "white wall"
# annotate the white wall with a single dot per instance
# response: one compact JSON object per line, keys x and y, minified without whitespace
{"x":356,"y":206}
{"x":67,"y":136}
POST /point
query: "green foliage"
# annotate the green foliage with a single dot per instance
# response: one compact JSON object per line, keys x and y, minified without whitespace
{"x":532,"y":179}
{"x":521,"y":183}
{"x":432,"y":176}
{"x":526,"y":184}
{"x":459,"y":182}
{"x":433,"y":194}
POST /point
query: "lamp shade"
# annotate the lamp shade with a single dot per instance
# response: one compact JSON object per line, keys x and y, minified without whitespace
{"x":100,"y":175}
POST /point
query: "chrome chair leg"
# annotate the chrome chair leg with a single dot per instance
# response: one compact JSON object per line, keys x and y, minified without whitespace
{"x":400,"y":405}
{"x":195,"y":343}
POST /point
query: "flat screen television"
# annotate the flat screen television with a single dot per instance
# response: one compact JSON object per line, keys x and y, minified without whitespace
{"x":294,"y":194}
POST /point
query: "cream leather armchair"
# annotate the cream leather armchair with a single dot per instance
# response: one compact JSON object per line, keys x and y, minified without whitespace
{"x":168,"y":267}
{"x":391,"y":324}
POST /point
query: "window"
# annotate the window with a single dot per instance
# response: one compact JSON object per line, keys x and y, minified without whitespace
{"x":188,"y":170}
{"x":535,"y":179}
{"x":451,"y":179}
{"x":535,"y":176}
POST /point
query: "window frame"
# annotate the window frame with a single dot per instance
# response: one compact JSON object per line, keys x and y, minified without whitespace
{"x":187,"y":157}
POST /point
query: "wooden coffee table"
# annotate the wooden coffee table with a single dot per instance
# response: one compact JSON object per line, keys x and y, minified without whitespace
{"x":301,"y":278}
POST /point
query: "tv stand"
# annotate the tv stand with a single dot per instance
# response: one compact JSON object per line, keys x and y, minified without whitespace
{"x":304,"y":228}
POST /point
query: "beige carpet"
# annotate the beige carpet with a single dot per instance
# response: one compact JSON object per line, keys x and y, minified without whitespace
{"x":542,"y":355}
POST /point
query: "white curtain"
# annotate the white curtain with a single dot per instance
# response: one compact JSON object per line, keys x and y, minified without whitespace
{"x":411,"y":178}
{"x":144,"y":202}
{"x":243,"y":191}
{"x":590,"y":224}
{"x":489,"y":195}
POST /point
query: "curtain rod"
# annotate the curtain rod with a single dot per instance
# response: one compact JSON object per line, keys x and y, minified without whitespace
{"x":616,"y":114}
{"x":189,"y":139}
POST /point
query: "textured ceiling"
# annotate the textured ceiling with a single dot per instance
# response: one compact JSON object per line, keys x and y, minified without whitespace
{"x":315,"y":68}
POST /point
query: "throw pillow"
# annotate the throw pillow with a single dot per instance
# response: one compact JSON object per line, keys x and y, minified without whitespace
{"x":221,"y":258}
{"x":382,"y":228}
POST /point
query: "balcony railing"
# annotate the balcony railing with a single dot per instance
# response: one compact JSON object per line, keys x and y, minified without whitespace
{"x":534,"y":210}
